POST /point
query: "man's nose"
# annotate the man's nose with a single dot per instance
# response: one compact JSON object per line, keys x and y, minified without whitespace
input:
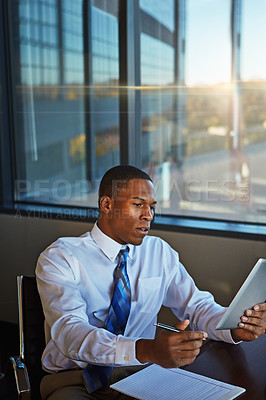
{"x":147,"y":214}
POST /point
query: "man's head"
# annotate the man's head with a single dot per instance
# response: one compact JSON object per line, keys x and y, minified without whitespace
{"x":126,"y":204}
{"x":117,"y":177}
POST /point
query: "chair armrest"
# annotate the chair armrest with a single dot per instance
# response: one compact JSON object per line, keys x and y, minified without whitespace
{"x":21,"y":378}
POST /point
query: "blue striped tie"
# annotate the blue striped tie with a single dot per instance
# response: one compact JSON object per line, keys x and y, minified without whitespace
{"x":96,"y":377}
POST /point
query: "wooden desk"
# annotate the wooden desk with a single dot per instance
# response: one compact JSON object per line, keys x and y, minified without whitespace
{"x":241,"y":365}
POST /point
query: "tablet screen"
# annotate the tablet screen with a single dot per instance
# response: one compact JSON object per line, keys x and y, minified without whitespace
{"x":252,"y":292}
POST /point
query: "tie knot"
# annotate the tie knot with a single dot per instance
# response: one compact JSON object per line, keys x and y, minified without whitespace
{"x":123,"y":253}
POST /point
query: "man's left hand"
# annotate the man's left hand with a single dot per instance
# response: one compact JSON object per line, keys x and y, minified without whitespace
{"x":252,"y":325}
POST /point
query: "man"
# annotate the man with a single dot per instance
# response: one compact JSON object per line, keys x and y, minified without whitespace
{"x":76,"y":283}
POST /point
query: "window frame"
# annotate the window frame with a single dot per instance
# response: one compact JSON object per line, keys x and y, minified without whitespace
{"x":7,"y":166}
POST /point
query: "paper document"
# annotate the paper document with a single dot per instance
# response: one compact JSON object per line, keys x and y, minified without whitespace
{"x":157,"y":383}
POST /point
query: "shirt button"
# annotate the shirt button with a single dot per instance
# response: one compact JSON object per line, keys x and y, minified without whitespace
{"x":126,"y":358}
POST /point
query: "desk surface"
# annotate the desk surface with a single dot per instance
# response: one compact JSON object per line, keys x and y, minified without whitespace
{"x":241,"y":365}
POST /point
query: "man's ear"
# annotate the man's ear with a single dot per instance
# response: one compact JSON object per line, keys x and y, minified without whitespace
{"x":105,"y":204}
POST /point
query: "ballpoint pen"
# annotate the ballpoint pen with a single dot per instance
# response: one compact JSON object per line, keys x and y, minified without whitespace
{"x":169,"y":328}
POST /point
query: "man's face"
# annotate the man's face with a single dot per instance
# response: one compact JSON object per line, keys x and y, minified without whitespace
{"x":130,"y":212}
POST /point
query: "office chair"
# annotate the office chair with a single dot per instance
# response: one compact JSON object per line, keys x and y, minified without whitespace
{"x":27,"y":366}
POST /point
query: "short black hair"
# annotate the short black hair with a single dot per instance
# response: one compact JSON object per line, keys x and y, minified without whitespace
{"x":120,"y":175}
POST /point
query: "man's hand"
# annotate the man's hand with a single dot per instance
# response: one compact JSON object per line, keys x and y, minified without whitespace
{"x":171,"y":349}
{"x":252,"y":325}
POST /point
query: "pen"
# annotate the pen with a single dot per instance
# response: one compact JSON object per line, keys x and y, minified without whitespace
{"x":169,"y":328}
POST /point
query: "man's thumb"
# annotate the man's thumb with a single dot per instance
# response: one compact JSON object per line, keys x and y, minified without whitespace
{"x":182,"y":325}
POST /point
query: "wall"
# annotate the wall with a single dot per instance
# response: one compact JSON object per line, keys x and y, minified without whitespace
{"x":219,"y":265}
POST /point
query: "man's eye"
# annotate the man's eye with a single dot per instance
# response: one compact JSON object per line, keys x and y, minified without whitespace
{"x":137,"y":204}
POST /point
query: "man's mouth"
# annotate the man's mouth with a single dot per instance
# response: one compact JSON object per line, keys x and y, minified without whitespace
{"x":143,"y":230}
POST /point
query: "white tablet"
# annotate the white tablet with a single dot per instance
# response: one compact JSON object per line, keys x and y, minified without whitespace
{"x":252,"y":292}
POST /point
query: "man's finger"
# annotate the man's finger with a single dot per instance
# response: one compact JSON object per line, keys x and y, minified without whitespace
{"x":259,"y":330}
{"x":189,"y":335}
{"x":254,"y":321}
{"x":260,"y":307}
{"x":189,"y":345}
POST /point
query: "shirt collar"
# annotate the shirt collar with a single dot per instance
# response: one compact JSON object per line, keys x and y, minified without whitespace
{"x":109,"y":246}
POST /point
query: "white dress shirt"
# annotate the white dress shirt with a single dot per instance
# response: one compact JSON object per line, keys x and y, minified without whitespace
{"x":75,"y":281}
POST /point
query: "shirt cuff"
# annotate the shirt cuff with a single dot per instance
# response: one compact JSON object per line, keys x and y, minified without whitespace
{"x":126,"y":351}
{"x":228,"y":337}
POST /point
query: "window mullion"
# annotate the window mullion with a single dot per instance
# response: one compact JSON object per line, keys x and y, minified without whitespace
{"x":235,"y":74}
{"x":180,"y":92}
{"x":129,"y":61}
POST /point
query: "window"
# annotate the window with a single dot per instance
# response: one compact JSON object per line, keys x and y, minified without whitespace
{"x":176,"y":87}
{"x":66,"y":101}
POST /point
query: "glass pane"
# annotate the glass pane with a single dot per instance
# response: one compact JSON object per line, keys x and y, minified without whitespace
{"x":158,"y":99}
{"x":252,"y":100}
{"x":161,"y":11}
{"x":187,"y":112}
{"x":208,"y":55}
{"x":204,"y":181}
{"x":67,"y":124}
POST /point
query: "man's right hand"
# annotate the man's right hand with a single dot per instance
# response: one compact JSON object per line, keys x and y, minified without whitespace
{"x":171,"y":349}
